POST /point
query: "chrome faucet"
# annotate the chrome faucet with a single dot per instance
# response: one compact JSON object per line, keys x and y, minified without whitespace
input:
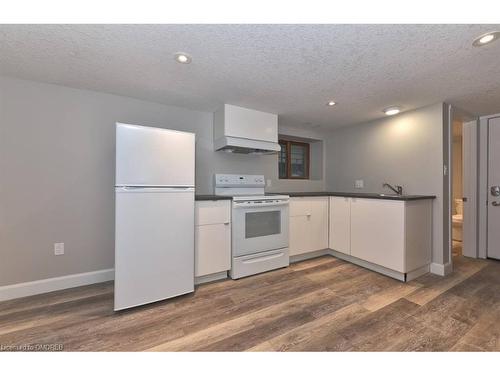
{"x":397,"y":188}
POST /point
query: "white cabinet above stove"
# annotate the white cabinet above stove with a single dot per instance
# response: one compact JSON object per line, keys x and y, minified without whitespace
{"x":243,"y":130}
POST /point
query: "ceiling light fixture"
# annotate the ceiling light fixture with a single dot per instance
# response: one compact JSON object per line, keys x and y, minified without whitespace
{"x":331,"y":103}
{"x":392,"y":111}
{"x":182,"y":58}
{"x":486,"y":38}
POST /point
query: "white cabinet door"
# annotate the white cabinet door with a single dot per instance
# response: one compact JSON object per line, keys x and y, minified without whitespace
{"x":212,"y":249}
{"x":299,"y":206}
{"x":377,"y":232}
{"x":212,"y":237}
{"x":340,"y":224}
{"x":298,"y":237}
{"x":248,"y":123}
{"x":308,"y":224}
{"x":318,"y":223}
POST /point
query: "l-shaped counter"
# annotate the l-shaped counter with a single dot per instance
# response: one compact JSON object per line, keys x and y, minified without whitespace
{"x":390,"y":234}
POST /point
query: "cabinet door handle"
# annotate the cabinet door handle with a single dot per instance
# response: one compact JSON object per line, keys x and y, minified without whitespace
{"x":495,"y":203}
{"x":227,"y":223}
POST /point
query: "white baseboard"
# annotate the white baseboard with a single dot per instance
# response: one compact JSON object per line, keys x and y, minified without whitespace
{"x":311,"y":255}
{"x":32,"y":288}
{"x":210,"y":278}
{"x":418,"y":272}
{"x":371,"y":266}
{"x":441,"y":269}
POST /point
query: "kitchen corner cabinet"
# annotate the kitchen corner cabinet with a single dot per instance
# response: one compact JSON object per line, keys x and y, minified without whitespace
{"x":308,"y":224}
{"x":396,"y":235}
{"x":212,"y":237}
{"x":378,"y":232}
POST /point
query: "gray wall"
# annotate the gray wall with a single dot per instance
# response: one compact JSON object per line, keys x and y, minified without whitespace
{"x":57,"y":173}
{"x":405,"y":150}
{"x":57,"y":169}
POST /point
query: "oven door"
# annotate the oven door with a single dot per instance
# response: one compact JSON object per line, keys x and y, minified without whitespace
{"x":259,"y":227}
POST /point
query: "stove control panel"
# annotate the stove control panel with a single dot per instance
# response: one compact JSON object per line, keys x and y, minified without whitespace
{"x":239,"y":180}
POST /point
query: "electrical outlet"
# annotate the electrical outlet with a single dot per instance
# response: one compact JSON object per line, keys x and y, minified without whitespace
{"x":359,"y":184}
{"x":269,"y":183}
{"x":59,"y":248}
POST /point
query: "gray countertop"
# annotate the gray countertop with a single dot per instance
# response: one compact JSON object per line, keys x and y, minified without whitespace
{"x":210,"y":197}
{"x":394,"y":197}
{"x":358,"y":195}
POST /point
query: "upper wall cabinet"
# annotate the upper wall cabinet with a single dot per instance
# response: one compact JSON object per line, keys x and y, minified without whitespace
{"x":245,"y":130}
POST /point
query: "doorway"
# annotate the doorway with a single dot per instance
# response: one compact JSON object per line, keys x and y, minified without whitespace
{"x":457,"y":196}
{"x":463,"y":182}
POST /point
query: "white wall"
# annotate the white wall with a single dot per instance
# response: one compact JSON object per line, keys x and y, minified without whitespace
{"x":406,"y":150}
{"x":57,"y":173}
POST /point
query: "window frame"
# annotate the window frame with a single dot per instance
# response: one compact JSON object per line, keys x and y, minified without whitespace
{"x":288,"y":160}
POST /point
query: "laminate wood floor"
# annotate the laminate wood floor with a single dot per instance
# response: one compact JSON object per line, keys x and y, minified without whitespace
{"x":324,"y":304}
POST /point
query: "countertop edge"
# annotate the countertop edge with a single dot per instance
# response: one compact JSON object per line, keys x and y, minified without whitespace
{"x":209,"y":197}
{"x":358,"y":195}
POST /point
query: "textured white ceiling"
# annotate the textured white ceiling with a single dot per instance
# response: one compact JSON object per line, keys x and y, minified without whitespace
{"x":291,"y":70}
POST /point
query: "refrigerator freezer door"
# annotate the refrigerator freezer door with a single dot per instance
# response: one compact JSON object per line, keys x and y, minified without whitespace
{"x":148,"y":156}
{"x":154,"y":245}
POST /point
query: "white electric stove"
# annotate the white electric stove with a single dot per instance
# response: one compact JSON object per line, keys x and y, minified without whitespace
{"x":259,"y":224}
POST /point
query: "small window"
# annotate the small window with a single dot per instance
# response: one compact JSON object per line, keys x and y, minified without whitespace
{"x":293,"y":160}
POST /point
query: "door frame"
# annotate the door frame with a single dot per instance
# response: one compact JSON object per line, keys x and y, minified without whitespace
{"x":457,"y":114}
{"x":470,"y":188}
{"x":483,"y":184}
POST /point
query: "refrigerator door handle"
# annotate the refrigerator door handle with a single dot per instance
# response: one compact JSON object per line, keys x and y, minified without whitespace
{"x":152,"y":189}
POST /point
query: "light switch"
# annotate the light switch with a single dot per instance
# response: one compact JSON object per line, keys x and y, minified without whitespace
{"x":59,"y":248}
{"x":359,"y":184}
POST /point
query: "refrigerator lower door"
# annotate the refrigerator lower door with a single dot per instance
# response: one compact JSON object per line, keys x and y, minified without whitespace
{"x":154,"y":244}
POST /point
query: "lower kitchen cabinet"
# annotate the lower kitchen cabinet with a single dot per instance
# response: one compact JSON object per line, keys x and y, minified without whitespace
{"x":212,"y":237}
{"x":298,"y":237}
{"x":308,"y":224}
{"x":393,"y":234}
{"x":378,"y":232}
{"x":340,"y":224}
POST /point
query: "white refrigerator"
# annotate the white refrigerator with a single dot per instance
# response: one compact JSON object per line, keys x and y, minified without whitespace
{"x":154,"y":214}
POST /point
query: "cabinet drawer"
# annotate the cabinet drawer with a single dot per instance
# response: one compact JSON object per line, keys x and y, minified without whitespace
{"x":212,"y":212}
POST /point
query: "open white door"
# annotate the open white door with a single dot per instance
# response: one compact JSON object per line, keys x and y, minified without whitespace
{"x":469,"y":173}
{"x":493,"y":245}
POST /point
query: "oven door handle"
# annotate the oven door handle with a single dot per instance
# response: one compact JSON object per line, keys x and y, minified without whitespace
{"x":255,"y":205}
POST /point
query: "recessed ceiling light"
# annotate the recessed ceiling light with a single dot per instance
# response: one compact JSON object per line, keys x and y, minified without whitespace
{"x":486,"y":38}
{"x":392,"y":111}
{"x":182,"y":58}
{"x":331,"y":103}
